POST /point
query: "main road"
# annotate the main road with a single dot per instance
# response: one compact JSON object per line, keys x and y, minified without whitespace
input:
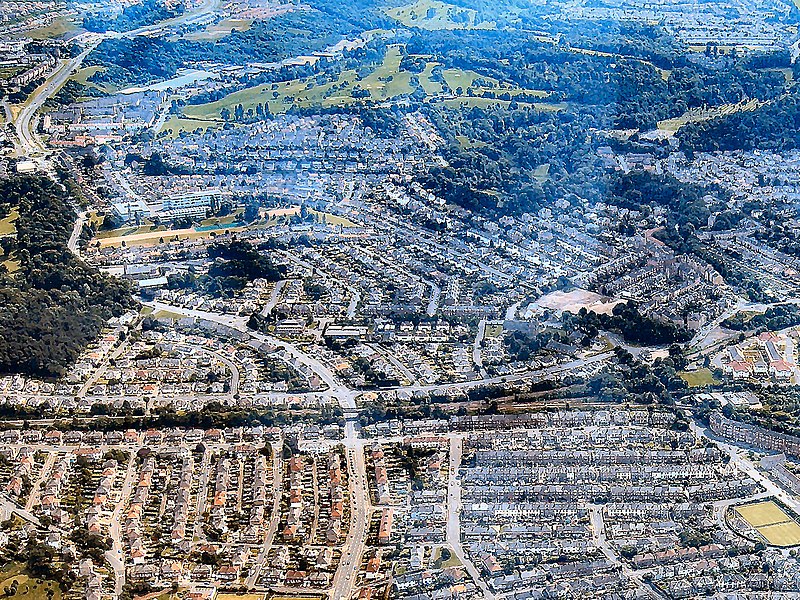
{"x":360,"y":506}
{"x":28,"y":142}
{"x":454,"y":516}
{"x":346,"y":577}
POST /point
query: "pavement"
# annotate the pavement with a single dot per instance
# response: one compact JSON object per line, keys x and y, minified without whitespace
{"x":344,"y":581}
{"x":28,"y":142}
{"x":453,"y":531}
{"x":599,"y":539}
{"x":75,"y":236}
{"x":476,"y":348}
{"x":33,"y":498}
{"x":115,"y":556}
{"x":274,"y":517}
{"x":738,"y":456}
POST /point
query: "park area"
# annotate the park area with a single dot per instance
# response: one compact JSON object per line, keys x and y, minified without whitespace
{"x":698,"y":378}
{"x":14,"y":576}
{"x":770,"y":520}
{"x":435,"y":15}
{"x":387,"y":80}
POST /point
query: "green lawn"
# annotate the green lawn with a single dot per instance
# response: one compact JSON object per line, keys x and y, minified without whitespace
{"x":387,"y":81}
{"x":438,"y":563}
{"x":431,"y":87}
{"x":123,"y":231}
{"x":217,"y":31}
{"x":7,"y":223}
{"x":226,"y":220}
{"x":57,"y":29}
{"x":467,"y":102}
{"x":695,"y":115}
{"x":333,"y":219}
{"x":433,"y":15}
{"x":467,"y":143}
{"x":27,"y":587}
{"x":461,"y":78}
{"x":699,"y":378}
{"x":174,"y":126}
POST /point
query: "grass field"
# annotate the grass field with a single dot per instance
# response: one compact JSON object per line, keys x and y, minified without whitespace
{"x":226,"y":220}
{"x":665,"y":73}
{"x":217,"y":31}
{"x":542,"y":173}
{"x":333,"y":219}
{"x":125,"y":231}
{"x":7,"y":223}
{"x":153,"y":238}
{"x":772,"y":522}
{"x":782,"y":534}
{"x":467,"y":102}
{"x":467,"y":143}
{"x":461,"y":78}
{"x":493,"y":330}
{"x":438,"y":563}
{"x":431,"y":87}
{"x":174,"y":126}
{"x":83,"y":74}
{"x":7,"y":228}
{"x":433,"y":15}
{"x":695,"y":115}
{"x":456,"y":78}
{"x":11,"y":265}
{"x":57,"y":29}
{"x":698,"y":378}
{"x":27,"y":587}
{"x":387,"y":81}
{"x":762,"y":513}
{"x":241,"y":596}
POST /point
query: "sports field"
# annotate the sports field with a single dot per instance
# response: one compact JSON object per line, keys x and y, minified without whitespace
{"x":772,"y":522}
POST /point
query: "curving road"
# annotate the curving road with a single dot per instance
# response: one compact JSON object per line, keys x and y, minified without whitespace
{"x":28,"y":142}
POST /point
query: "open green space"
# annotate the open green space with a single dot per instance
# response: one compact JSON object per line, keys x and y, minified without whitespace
{"x":226,"y":220}
{"x":467,"y":143}
{"x":459,"y":80}
{"x":124,"y":231}
{"x":447,"y":561}
{"x":762,"y":513}
{"x":696,"y":115}
{"x":331,"y":219}
{"x":385,"y":82}
{"x":699,"y":378}
{"x":59,"y":27}
{"x":770,"y":520}
{"x":217,"y":31}
{"x":7,"y":223}
{"x":433,"y":15}
{"x":83,"y":74}
{"x":542,"y":173}
{"x":174,"y":126}
{"x":28,"y":588}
